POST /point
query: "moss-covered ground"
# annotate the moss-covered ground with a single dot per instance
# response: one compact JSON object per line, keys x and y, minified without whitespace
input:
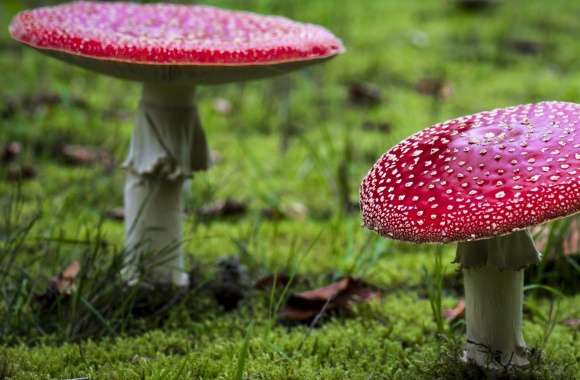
{"x":299,"y":144}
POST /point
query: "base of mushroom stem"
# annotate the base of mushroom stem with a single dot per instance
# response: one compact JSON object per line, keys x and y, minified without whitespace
{"x":495,"y":361}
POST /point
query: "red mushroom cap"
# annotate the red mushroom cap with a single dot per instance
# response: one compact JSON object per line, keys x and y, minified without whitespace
{"x":168,"y":41}
{"x":172,"y":34}
{"x":478,"y":176}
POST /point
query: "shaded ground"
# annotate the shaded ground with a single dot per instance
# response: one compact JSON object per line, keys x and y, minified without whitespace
{"x":292,"y":151}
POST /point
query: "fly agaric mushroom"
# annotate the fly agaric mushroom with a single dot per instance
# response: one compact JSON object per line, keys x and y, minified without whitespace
{"x":482,"y":180}
{"x":170,"y":49}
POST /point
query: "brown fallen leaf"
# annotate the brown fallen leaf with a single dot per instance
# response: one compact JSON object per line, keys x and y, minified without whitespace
{"x":116,"y":214}
{"x":79,"y":155}
{"x":64,"y":283}
{"x":456,"y":313}
{"x":573,"y":323}
{"x":10,"y":152}
{"x":437,"y":87}
{"x":61,"y":285}
{"x":31,"y":103}
{"x":17,"y":173}
{"x":364,"y":94}
{"x":278,"y":280}
{"x":223,"y":208}
{"x":337,"y":297}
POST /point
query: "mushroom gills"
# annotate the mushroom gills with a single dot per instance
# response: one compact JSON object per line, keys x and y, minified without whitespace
{"x":493,"y":272}
{"x":167,"y":146}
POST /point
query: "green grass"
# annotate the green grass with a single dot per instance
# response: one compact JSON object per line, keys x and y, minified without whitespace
{"x":58,"y":217}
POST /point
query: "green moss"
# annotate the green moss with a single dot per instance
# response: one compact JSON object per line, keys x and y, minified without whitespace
{"x":391,"y":44}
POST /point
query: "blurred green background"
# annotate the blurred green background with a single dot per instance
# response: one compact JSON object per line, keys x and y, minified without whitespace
{"x":291,"y":151}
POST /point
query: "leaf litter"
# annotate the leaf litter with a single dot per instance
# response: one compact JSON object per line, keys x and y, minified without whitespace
{"x":336,"y":298}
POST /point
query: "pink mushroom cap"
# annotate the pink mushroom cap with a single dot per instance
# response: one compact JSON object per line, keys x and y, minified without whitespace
{"x":478,"y":176}
{"x":179,"y":36}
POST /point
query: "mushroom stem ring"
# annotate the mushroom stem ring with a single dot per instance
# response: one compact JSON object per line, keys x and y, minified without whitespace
{"x":167,"y":145}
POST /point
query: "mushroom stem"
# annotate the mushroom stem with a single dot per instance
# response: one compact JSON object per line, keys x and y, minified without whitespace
{"x":493,"y":272}
{"x":493,"y":315}
{"x":167,"y":145}
{"x":153,"y":209}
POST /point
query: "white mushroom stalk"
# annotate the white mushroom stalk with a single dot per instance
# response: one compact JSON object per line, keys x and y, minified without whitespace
{"x":494,"y":279}
{"x":167,"y":145}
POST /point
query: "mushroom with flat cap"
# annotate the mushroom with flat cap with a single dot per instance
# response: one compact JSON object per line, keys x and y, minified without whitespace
{"x":170,"y":49}
{"x":482,"y":180}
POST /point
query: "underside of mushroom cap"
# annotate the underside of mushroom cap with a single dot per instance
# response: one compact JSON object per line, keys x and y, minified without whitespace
{"x":166,"y":39}
{"x":182,"y":74}
{"x":478,"y":176}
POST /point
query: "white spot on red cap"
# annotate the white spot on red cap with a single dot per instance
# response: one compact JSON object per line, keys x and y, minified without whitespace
{"x":518,"y":182}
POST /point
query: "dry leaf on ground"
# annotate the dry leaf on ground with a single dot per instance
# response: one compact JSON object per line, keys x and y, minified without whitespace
{"x":63,"y":284}
{"x":456,"y":313}
{"x":116,"y":214}
{"x":279,"y":281}
{"x":337,"y":297}
{"x":21,"y":173}
{"x":31,"y":103}
{"x":223,"y":208}
{"x":364,"y":94}
{"x":79,"y":155}
{"x":437,"y":87}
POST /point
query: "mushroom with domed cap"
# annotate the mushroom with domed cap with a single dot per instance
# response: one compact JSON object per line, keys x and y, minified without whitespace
{"x":169,"y":49}
{"x":481,"y":180}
